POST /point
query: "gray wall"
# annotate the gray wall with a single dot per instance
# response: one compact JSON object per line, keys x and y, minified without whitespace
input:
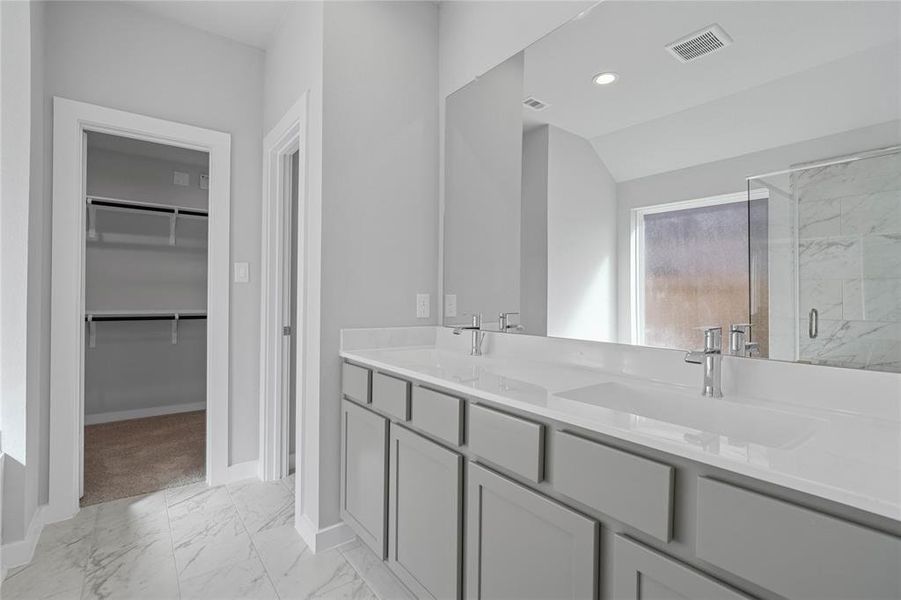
{"x":118,"y":56}
{"x":483,"y":175}
{"x":20,"y":229}
{"x":533,"y":267}
{"x":380,"y":186}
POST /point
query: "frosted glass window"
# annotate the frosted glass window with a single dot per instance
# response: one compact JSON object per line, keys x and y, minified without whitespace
{"x":695,"y":272}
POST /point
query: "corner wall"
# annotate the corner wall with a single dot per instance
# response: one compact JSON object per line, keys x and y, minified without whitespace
{"x":380,"y":185}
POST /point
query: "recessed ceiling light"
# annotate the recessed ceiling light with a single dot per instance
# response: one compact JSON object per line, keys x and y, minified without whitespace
{"x":605,"y":78}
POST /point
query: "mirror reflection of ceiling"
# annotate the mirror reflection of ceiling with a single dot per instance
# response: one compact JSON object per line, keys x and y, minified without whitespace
{"x":794,"y":71}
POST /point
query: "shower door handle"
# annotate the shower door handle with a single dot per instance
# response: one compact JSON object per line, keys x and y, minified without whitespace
{"x":813,"y":323}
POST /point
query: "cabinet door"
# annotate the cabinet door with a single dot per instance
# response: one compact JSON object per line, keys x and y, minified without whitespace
{"x":425,"y":515}
{"x":640,"y":573}
{"x":364,"y":487}
{"x":522,"y":545}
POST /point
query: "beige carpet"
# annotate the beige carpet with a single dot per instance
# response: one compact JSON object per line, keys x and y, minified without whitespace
{"x":127,"y":458}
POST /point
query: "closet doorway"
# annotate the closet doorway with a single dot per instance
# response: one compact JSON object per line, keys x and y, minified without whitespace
{"x":140,"y":287}
{"x":145,"y":311}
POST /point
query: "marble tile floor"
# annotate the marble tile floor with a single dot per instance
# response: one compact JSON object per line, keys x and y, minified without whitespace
{"x":194,"y":542}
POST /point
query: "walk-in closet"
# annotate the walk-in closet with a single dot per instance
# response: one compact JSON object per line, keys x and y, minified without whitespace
{"x":145,"y":317}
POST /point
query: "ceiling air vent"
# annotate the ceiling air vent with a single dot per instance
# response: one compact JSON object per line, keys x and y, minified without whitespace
{"x":535,"y":103}
{"x":698,"y":44}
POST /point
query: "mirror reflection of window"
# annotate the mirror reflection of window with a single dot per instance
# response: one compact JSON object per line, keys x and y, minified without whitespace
{"x":693,"y":260}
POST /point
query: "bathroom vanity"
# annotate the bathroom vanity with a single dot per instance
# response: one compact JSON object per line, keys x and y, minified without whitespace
{"x":510,"y":475}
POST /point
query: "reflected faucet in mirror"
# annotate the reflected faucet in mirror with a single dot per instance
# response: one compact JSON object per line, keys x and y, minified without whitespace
{"x":712,"y":359}
{"x":739,"y":334}
{"x":504,"y":324}
{"x":478,"y":336}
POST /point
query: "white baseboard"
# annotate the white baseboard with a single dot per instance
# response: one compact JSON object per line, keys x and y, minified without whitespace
{"x":244,"y":470}
{"x":320,"y":540}
{"x":140,"y":413}
{"x":20,"y":552}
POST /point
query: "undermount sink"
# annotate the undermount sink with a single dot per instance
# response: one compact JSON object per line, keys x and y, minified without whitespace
{"x":737,"y":422}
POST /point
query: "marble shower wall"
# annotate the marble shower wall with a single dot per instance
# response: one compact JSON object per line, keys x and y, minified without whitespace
{"x":849,"y":262}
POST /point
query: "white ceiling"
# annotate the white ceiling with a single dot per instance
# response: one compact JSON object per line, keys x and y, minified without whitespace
{"x":760,"y":92}
{"x":251,"y":22}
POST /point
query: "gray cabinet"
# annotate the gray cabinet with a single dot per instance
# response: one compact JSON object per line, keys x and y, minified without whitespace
{"x":522,"y":545}
{"x":425,"y":515}
{"x":391,"y":395}
{"x":364,"y":457}
{"x":509,"y":442}
{"x":632,"y":489}
{"x":640,"y":573}
{"x":757,"y":537}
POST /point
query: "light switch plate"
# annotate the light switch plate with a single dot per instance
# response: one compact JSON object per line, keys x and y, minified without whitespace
{"x":204,"y":182}
{"x":422,"y":306}
{"x":180,"y":178}
{"x":242,"y":272}
{"x":450,"y":305}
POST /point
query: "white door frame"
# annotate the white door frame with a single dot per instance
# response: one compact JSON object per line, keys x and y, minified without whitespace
{"x":71,"y":119}
{"x":287,"y":137}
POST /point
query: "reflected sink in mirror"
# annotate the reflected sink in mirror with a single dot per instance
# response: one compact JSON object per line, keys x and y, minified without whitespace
{"x":709,"y":418}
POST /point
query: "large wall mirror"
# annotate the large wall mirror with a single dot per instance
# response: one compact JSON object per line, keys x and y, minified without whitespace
{"x":652,"y":168}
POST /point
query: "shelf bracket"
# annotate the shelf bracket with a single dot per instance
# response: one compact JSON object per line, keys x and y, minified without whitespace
{"x":92,"y":332}
{"x":172,"y":220}
{"x":92,"y":221}
{"x":175,"y":329}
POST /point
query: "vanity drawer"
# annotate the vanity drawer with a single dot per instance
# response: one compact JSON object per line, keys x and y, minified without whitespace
{"x":507,"y":441}
{"x":629,"y":488}
{"x":793,"y":551}
{"x":438,"y":414}
{"x":355,"y":382}
{"x":391,"y":395}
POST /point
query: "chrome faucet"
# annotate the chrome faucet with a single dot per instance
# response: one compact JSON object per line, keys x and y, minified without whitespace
{"x":503,"y":322}
{"x":478,"y":335}
{"x":712,"y":359}
{"x":739,"y":333}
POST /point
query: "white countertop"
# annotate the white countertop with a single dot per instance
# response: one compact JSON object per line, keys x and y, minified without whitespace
{"x":841,"y":455}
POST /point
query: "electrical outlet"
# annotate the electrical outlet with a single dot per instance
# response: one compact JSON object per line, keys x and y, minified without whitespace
{"x":242,"y":272}
{"x":204,"y":182}
{"x":422,"y":306}
{"x":450,"y":305}
{"x":180,"y":178}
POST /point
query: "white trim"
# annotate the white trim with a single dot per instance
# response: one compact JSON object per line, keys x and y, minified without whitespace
{"x":319,"y":540}
{"x":244,"y":470}
{"x":636,"y":247}
{"x":21,"y":552}
{"x":140,"y":413}
{"x":287,"y":137}
{"x":70,"y":120}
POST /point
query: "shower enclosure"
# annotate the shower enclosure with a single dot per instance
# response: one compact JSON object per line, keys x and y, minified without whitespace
{"x":831,"y":290}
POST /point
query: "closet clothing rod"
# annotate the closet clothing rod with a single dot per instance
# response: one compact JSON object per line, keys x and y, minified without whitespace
{"x":169,"y":317}
{"x":146,"y":206}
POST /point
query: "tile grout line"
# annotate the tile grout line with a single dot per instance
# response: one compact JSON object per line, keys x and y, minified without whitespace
{"x":253,"y":543}
{"x":360,"y":573}
{"x":172,"y":543}
{"x":87,"y":559}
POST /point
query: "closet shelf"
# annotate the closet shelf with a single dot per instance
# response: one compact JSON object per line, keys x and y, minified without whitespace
{"x":117,"y":204}
{"x":92,"y":317}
